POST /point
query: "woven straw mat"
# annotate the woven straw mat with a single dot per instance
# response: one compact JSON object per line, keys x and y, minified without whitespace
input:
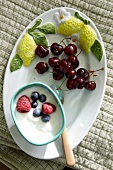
{"x":95,"y":152}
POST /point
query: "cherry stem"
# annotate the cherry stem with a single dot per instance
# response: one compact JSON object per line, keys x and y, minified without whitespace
{"x":92,"y":71}
{"x":65,"y":90}
{"x":51,"y":71}
{"x":61,"y":84}
{"x":94,"y":77}
{"x":64,"y":39}
{"x":79,"y":52}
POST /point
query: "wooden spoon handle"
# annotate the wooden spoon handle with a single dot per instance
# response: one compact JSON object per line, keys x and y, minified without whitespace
{"x":67,"y":148}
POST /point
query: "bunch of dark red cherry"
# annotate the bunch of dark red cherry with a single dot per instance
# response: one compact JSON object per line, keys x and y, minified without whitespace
{"x":76,"y":78}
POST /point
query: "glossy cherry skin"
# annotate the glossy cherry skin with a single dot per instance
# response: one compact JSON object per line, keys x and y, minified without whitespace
{"x":76,"y":64}
{"x":70,"y":49}
{"x":41,"y":67}
{"x":56,"y":48}
{"x":41,"y":51}
{"x":82,"y":72}
{"x":74,"y":61}
{"x":57,"y":74}
{"x":70,"y":84}
{"x":65,"y":66}
{"x":71,"y":74}
{"x":54,"y":61}
{"x":90,"y":85}
{"x":79,"y":82}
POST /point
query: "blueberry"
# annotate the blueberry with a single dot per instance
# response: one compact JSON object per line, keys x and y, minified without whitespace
{"x":42,"y":98}
{"x":37,"y":112}
{"x":41,"y":114}
{"x":34,"y":95}
{"x":34,"y":104}
{"x":46,"y":118}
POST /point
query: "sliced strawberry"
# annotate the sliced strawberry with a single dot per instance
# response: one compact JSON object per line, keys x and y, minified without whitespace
{"x":23,"y":104}
{"x":48,"y":108}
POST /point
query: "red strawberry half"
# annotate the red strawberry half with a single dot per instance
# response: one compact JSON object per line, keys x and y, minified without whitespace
{"x":48,"y":108}
{"x":23,"y":104}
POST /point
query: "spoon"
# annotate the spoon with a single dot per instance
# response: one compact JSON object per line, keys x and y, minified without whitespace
{"x":65,"y":138}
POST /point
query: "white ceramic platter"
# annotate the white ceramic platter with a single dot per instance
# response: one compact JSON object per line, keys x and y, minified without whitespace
{"x":81,"y":106}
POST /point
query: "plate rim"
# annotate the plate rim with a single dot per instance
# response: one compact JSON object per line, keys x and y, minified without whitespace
{"x":105,"y":63}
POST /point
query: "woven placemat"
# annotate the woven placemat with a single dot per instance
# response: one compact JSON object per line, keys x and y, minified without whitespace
{"x":96,"y":149}
{"x":17,"y":159}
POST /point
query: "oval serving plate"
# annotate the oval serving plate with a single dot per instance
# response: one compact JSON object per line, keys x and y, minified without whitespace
{"x":81,"y":106}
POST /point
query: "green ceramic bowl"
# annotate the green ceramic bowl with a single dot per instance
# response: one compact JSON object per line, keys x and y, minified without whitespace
{"x":33,"y":129}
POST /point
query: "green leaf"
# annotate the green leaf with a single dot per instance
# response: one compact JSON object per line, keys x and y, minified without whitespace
{"x":48,"y":28}
{"x":97,"y":50}
{"x":38,"y":22}
{"x":16,"y":63}
{"x":86,"y":22}
{"x":39,"y":38}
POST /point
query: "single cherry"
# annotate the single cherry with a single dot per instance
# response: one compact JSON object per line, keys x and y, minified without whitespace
{"x":54,"y":61}
{"x":90,"y":85}
{"x":56,"y":48}
{"x":70,"y":49}
{"x":71,"y":74}
{"x":65,"y":66}
{"x":41,"y":67}
{"x":41,"y":51}
{"x":70,"y":84}
{"x":79,"y":82}
{"x":82,"y":72}
{"x":74,"y":61}
{"x":76,"y":64}
{"x":57,"y":74}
